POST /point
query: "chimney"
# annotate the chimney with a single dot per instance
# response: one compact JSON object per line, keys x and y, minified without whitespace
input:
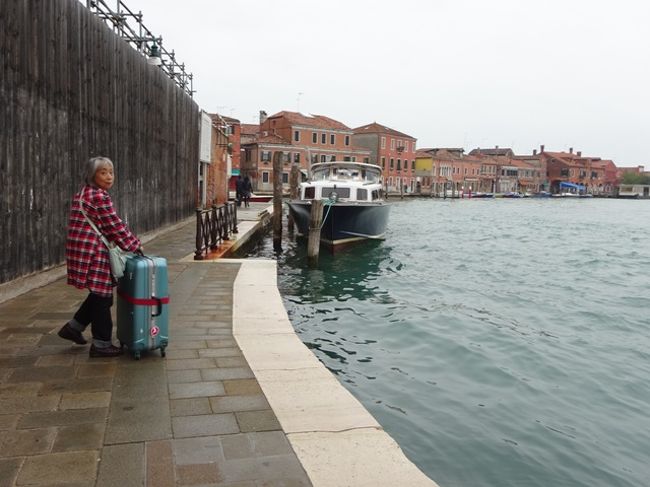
{"x":541,"y":149}
{"x":579,"y":153}
{"x":263,"y":116}
{"x":534,"y":152}
{"x":496,"y":146}
{"x":570,"y":150}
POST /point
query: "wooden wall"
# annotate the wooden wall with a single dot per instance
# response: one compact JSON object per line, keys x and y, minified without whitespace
{"x":71,"y":89}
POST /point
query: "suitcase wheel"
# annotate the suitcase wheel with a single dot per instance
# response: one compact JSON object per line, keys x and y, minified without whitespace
{"x":162,"y":352}
{"x":136,"y":355}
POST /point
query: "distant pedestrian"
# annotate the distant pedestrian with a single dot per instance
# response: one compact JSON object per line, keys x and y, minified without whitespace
{"x":87,"y":257}
{"x":239,"y":190}
{"x":247,"y":191}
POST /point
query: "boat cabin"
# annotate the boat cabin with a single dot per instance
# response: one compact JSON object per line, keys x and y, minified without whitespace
{"x":343,"y":181}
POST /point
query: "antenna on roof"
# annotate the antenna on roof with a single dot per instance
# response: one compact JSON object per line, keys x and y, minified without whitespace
{"x":300,"y":93}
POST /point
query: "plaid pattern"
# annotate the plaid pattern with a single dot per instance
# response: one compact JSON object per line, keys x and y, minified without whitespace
{"x":87,"y":257}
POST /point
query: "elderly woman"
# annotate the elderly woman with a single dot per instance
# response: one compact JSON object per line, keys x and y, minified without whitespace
{"x":88,"y":260}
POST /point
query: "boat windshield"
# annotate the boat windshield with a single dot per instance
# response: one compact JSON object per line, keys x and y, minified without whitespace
{"x":345,"y":174}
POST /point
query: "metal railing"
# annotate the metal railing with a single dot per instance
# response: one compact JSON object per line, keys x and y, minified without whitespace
{"x":142,"y":40}
{"x":213,"y":226}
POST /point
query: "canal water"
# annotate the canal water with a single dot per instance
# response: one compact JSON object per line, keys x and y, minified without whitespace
{"x":500,"y":342}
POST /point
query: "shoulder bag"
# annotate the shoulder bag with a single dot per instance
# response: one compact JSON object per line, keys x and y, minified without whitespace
{"x":116,"y":255}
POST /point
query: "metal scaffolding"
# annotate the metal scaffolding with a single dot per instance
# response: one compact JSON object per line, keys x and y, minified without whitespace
{"x":142,"y":40}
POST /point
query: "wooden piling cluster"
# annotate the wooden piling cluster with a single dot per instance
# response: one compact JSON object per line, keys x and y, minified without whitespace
{"x":71,"y":89}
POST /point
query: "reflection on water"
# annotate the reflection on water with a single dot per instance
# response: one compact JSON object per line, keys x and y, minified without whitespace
{"x":500,"y":342}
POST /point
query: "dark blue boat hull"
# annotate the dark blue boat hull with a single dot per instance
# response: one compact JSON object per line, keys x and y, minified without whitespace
{"x":344,"y":222}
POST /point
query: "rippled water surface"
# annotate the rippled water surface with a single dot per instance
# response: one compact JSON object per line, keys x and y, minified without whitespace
{"x":500,"y":342}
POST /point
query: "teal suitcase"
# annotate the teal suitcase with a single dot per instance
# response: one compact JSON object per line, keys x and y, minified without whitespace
{"x":143,"y":305}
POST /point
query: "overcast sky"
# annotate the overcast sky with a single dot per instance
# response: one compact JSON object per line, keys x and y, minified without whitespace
{"x":451,"y":73}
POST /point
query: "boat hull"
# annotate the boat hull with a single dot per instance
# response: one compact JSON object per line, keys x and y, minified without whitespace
{"x":344,"y":222}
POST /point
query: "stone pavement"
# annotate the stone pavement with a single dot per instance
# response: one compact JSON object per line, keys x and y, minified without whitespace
{"x":197,"y":417}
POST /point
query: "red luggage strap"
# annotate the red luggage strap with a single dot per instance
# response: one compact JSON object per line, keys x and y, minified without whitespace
{"x":153,"y":301}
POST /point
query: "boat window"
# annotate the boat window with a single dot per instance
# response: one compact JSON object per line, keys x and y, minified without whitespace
{"x":341,"y":192}
{"x":375,"y":194}
{"x":362,"y":194}
{"x":310,"y":191}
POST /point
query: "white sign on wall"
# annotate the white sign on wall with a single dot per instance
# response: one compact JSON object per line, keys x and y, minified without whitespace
{"x":206,"y":138}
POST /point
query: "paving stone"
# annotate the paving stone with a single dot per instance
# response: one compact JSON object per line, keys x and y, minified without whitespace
{"x":55,"y":468}
{"x":204,"y":425}
{"x":85,"y":400}
{"x":8,"y":421}
{"x":25,"y":404}
{"x":227,"y":373}
{"x":17,"y":362}
{"x":90,"y":384}
{"x":226,"y":404}
{"x":205,"y":449}
{"x":185,"y":364}
{"x":41,"y":374}
{"x":26,"y":442}
{"x":243,"y":387}
{"x":182,"y":353}
{"x":180,"y":344}
{"x":179,"y":376}
{"x":220,"y":352}
{"x":160,"y":464}
{"x":190,"y":407}
{"x":20,"y":389}
{"x":257,"y":421}
{"x":62,"y":418}
{"x":122,"y":466}
{"x":197,"y":474}
{"x":96,"y":370}
{"x":196,"y":389}
{"x":231,"y":362}
{"x":49,"y":360}
{"x":9,"y":469}
{"x":284,"y":468}
{"x":79,"y":437}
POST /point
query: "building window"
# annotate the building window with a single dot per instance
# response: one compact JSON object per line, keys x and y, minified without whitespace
{"x":406,"y":145}
{"x":383,"y":142}
{"x":265,"y":177}
{"x":266,"y":155}
{"x":413,"y":164}
{"x":314,"y":158}
{"x":392,"y":144}
{"x":354,"y":159}
{"x":285,"y":178}
{"x":286,"y":157}
{"x":323,"y":158}
{"x":383,"y":163}
{"x":399,"y":164}
{"x":323,"y":138}
{"x":314,"y":138}
{"x":392,"y":163}
{"x":296,"y":157}
{"x":347,"y":140}
{"x":332,"y":158}
{"x":332,"y":139}
{"x":346,"y":158}
{"x":413,"y":146}
{"x":366,"y":160}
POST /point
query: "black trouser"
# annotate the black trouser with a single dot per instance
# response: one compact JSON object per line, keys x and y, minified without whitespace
{"x":96,"y":309}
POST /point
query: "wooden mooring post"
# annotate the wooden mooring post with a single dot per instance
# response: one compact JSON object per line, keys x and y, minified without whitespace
{"x":294,"y":175}
{"x":315,"y":224}
{"x":277,"y":200}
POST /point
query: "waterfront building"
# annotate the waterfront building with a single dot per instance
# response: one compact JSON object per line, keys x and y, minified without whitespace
{"x":301,"y":139}
{"x":598,"y":176}
{"x":231,"y":127}
{"x":394,"y":151}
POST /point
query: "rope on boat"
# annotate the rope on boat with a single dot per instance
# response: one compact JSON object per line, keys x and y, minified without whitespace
{"x":329,"y":202}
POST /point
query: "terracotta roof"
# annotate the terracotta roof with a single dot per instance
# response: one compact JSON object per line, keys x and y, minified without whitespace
{"x":375,"y":128}
{"x":272,"y":139}
{"x":422,"y":153}
{"x":497,"y":151}
{"x":316,"y":121}
{"x":250,"y":128}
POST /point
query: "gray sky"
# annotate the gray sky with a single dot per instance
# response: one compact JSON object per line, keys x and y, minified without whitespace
{"x":452,"y":73}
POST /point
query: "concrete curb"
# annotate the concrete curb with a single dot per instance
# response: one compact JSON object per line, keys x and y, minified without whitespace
{"x":335,"y":438}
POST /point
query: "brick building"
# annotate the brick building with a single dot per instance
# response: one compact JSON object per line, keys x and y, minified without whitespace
{"x":392,"y":150}
{"x":301,"y":139}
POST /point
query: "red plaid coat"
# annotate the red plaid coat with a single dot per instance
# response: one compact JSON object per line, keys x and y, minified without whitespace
{"x":87,"y":257}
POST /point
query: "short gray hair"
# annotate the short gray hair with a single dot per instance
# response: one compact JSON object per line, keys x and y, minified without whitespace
{"x":94,"y":163}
